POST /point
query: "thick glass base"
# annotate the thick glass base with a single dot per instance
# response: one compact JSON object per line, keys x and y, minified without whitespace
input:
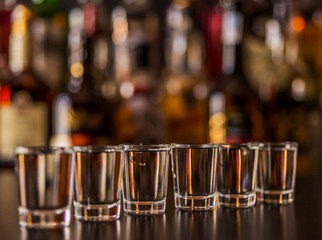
{"x":144,"y":207}
{"x":276,"y":196}
{"x":195,"y":203}
{"x":97,"y":212}
{"x":44,"y":218}
{"x":236,"y":200}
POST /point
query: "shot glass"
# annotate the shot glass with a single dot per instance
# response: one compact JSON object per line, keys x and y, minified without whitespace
{"x":236,"y":172}
{"x":194,"y":176}
{"x":276,"y":172}
{"x":45,"y":180}
{"x":98,"y":182}
{"x":145,"y":179}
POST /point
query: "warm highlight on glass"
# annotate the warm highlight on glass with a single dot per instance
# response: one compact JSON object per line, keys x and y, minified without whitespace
{"x":98,"y":180}
{"x":194,"y":176}
{"x":236,"y":172}
{"x":277,"y":172}
{"x":145,"y":179}
{"x":45,"y":177}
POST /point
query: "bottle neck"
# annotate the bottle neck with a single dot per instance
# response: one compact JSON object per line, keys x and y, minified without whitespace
{"x":79,"y":49}
{"x":232,"y":39}
{"x":18,"y":54}
{"x":185,"y":48}
{"x":19,"y":40}
{"x":4,"y":40}
{"x":90,"y":25}
{"x":87,"y":40}
{"x":281,"y":39}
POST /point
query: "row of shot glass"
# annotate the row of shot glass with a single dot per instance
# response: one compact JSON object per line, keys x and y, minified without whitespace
{"x":204,"y":175}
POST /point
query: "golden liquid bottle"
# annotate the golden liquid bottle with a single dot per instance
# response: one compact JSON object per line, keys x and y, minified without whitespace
{"x":285,"y":82}
{"x":82,"y":113}
{"x":137,"y":46}
{"x":185,"y":76}
{"x":295,"y":103}
{"x":234,"y":108}
{"x":48,"y":28}
{"x":25,"y":117}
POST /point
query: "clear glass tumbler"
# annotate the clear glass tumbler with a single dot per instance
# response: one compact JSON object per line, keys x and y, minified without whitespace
{"x":98,"y":181}
{"x":145,"y":180}
{"x":45,"y":180}
{"x":194,"y":176}
{"x":236,"y":172}
{"x":276,"y":172}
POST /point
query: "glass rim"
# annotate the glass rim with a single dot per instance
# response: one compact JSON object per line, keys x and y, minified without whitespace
{"x":145,"y":147}
{"x":248,"y":145}
{"x":194,"y":145}
{"x":278,"y":145}
{"x":97,"y":148}
{"x":42,"y":149}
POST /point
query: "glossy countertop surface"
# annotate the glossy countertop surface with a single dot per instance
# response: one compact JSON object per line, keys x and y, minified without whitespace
{"x":300,"y":220}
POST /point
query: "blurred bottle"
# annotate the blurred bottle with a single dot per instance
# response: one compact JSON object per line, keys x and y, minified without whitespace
{"x":310,"y":38}
{"x":6,"y":7}
{"x":295,"y":113}
{"x":284,"y":80}
{"x":258,"y":58}
{"x":25,"y":112}
{"x":210,"y":15}
{"x":83,"y":113}
{"x":48,"y":27}
{"x":5,"y":74}
{"x":310,"y":51}
{"x":186,"y":77}
{"x":234,"y":107}
{"x":136,"y":38}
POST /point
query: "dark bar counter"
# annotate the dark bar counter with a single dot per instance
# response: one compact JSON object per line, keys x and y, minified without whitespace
{"x":300,"y":220}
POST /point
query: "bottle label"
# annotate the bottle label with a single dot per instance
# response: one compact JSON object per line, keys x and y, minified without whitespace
{"x":22,"y":126}
{"x":232,"y":34}
{"x":61,"y":129}
{"x":217,"y":120}
{"x":228,"y":122}
{"x":239,"y":125}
